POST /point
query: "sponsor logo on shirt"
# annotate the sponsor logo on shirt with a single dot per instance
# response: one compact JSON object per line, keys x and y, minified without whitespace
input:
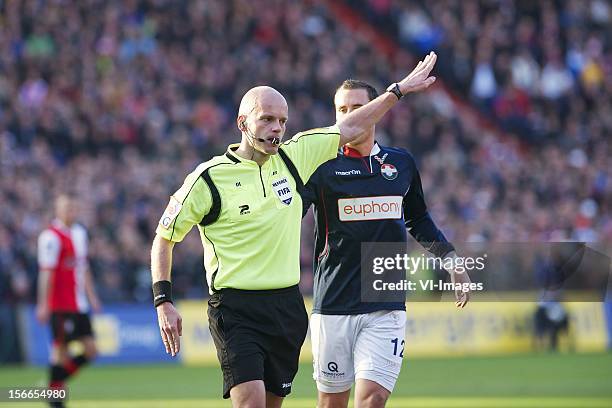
{"x":370,"y":208}
{"x":348,"y":173}
{"x":172,"y":210}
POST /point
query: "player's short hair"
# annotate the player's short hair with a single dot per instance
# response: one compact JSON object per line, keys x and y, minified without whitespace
{"x":69,"y":194}
{"x":357,"y":84}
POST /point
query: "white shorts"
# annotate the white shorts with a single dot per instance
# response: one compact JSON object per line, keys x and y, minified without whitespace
{"x":348,"y":347}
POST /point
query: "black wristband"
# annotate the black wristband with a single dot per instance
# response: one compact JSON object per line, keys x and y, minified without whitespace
{"x":395,"y":90}
{"x":162,"y":292}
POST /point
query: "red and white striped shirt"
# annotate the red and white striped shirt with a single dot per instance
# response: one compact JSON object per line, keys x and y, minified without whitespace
{"x":63,"y":251}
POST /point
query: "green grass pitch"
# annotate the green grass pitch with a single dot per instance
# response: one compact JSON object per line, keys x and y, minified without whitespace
{"x":530,"y":380}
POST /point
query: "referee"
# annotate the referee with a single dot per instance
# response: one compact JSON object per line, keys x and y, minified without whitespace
{"x":247,"y":206}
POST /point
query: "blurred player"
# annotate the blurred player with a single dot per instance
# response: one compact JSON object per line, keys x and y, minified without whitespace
{"x":248,"y":208}
{"x":64,"y":286}
{"x":353,"y":340}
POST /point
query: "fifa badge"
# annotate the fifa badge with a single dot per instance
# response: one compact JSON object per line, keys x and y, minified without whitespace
{"x":283,"y":190}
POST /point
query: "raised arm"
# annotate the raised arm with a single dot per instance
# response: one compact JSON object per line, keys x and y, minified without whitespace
{"x":360,"y":120}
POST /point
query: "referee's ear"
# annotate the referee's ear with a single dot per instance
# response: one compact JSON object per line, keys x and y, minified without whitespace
{"x":240,"y":120}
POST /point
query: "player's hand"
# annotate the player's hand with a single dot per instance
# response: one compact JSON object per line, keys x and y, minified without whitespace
{"x":419,"y":78}
{"x":463,"y":297}
{"x":95,"y":304}
{"x":170,"y":326}
{"x":42,"y":313}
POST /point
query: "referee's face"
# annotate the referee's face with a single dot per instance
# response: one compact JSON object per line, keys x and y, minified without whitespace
{"x":268,"y":121}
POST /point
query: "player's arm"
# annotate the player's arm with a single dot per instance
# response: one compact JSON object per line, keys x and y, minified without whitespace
{"x":42,"y":305}
{"x":48,"y":255}
{"x":362,"y":119}
{"x":424,"y":230}
{"x":309,"y":194}
{"x":90,"y":290}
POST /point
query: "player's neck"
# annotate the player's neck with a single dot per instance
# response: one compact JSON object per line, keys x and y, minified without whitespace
{"x":62,"y":223}
{"x":246,"y":151}
{"x":364,"y":148}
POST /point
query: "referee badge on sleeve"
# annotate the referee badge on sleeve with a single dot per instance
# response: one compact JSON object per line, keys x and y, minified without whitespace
{"x":172,"y":210}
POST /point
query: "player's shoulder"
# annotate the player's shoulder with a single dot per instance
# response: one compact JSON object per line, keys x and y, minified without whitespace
{"x":79,"y":230}
{"x":47,"y":235}
{"x":398,"y":153}
{"x":327,"y":167}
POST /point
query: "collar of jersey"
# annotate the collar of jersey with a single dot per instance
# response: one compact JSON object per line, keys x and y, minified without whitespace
{"x":350,"y":152}
{"x":57,"y":223}
{"x":231,"y":154}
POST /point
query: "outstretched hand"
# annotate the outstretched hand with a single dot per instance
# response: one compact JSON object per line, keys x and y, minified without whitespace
{"x":419,"y":78}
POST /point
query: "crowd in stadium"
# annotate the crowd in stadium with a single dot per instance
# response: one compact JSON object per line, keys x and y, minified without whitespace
{"x":118,"y":100}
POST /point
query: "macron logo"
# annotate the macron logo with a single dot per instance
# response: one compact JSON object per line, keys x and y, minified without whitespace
{"x":370,"y":208}
{"x":348,"y":173}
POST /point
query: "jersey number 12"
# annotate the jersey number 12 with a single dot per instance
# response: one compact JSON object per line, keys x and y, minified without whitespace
{"x":395,"y":342}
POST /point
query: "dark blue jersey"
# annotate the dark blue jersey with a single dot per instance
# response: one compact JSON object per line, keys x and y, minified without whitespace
{"x":363,"y":199}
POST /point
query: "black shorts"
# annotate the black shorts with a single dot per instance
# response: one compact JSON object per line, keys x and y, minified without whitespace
{"x":258,"y":336}
{"x":66,"y":326}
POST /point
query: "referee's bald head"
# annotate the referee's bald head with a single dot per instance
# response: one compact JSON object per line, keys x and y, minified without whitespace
{"x":260,"y":96}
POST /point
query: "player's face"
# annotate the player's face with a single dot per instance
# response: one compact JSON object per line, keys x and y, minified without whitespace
{"x":66,"y":210}
{"x":268,"y":121}
{"x":347,"y":100}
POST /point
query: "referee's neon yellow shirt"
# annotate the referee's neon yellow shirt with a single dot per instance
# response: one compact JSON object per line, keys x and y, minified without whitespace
{"x":255,"y":242}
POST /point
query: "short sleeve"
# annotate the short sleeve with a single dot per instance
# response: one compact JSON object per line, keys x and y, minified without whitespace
{"x":80,"y":240}
{"x":308,"y":150}
{"x":186,"y":208}
{"x":48,"y":250}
